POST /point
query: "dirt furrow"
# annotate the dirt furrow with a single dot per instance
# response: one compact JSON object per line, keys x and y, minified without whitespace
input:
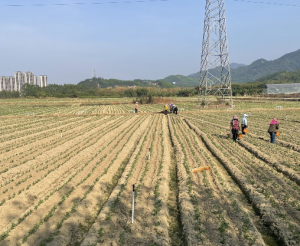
{"x":111,"y":217}
{"x":86,"y":206}
{"x":58,"y":177}
{"x":269,"y":215}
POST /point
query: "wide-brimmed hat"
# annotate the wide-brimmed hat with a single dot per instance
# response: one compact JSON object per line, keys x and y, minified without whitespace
{"x":235,"y":117}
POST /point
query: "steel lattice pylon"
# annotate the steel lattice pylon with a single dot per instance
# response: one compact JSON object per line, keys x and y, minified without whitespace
{"x":215,"y":54}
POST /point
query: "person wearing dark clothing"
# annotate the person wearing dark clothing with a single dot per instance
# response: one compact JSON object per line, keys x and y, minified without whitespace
{"x":274,"y":126}
{"x":234,"y":123}
{"x":175,"y":109}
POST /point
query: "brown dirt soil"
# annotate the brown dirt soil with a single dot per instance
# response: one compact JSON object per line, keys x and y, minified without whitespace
{"x":211,"y":196}
{"x":61,"y":174}
{"x":269,"y":214}
{"x":120,"y":217}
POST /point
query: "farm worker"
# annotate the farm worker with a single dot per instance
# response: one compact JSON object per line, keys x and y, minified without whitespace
{"x":166,"y":109}
{"x":171,"y":107}
{"x":136,"y":107}
{"x":234,"y":123}
{"x":244,"y":122}
{"x":274,"y":126}
{"x":175,"y":109}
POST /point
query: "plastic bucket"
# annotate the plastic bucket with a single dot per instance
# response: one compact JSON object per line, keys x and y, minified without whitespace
{"x":245,"y":130}
{"x":240,"y":135}
{"x":277,"y":133}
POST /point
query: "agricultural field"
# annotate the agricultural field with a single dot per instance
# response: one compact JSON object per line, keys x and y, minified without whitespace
{"x":66,"y":178}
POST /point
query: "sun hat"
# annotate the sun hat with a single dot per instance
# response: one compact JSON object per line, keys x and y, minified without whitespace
{"x":235,"y":117}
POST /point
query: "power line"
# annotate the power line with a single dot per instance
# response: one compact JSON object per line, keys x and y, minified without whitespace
{"x":66,"y":4}
{"x":280,"y":4}
{"x":136,"y":1}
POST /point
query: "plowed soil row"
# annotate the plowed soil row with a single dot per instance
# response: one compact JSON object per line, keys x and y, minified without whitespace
{"x":280,"y":162}
{"x":220,"y":219}
{"x":282,"y":218}
{"x":37,"y":169}
{"x":113,"y":225}
{"x":31,"y":149}
{"x":63,"y":175}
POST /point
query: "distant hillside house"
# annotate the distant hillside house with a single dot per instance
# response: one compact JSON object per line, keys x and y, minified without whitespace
{"x":282,"y":88}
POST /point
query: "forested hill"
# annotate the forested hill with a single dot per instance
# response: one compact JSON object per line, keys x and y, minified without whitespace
{"x":182,"y":81}
{"x":111,"y":83}
{"x":256,"y":87}
{"x":281,"y":77}
{"x":261,"y":68}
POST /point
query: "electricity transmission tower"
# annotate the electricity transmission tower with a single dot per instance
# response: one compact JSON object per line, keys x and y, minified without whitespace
{"x":215,"y":76}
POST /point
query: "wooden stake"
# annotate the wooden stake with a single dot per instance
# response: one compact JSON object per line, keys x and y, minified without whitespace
{"x":132,"y":214}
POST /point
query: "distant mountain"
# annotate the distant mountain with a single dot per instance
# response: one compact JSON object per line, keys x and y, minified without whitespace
{"x":261,"y":68}
{"x":232,"y":66}
{"x":236,"y":65}
{"x":182,"y":81}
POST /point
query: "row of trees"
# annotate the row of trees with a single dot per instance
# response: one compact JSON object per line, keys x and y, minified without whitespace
{"x":84,"y":91}
{"x":96,"y":83}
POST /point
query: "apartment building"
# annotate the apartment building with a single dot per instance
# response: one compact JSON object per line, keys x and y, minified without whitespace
{"x":15,"y":83}
{"x":43,"y":80}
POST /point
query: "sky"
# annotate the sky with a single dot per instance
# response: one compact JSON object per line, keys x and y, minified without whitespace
{"x":137,"y":40}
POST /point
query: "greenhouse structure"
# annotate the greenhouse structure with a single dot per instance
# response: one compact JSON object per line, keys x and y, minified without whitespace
{"x":282,"y":88}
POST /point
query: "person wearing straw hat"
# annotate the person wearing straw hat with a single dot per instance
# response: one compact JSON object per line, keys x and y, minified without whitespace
{"x":234,"y":123}
{"x":136,"y":107}
{"x":274,"y":126}
{"x":244,"y":123}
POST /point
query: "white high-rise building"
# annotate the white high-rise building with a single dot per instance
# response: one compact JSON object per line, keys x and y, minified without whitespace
{"x":2,"y":83}
{"x":28,"y":78}
{"x":34,"y":80}
{"x":43,"y":80}
{"x":10,"y":83}
{"x":19,"y":77}
{"x":15,"y":83}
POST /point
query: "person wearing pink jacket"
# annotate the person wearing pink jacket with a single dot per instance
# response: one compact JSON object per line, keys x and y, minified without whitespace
{"x":234,"y":123}
{"x":274,"y":126}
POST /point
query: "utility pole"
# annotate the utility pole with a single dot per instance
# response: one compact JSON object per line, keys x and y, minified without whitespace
{"x":215,"y":76}
{"x":94,"y":73}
